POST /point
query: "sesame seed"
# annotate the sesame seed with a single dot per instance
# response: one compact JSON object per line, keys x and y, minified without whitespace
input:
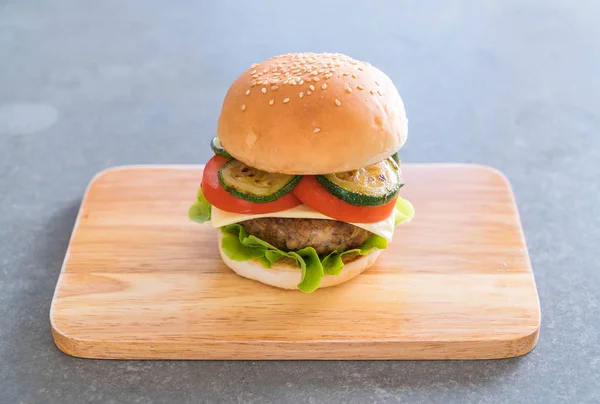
{"x":316,"y":130}
{"x":316,"y":79}
{"x":324,"y":86}
{"x":353,"y":75}
{"x":360,"y":68}
{"x":301,"y":94}
{"x":308,"y":92}
{"x":338,"y":103}
{"x":243,"y":107}
{"x":379,"y":92}
{"x":266,"y":70}
{"x":263,"y":90}
{"x":286,"y":100}
{"x":286,"y":81}
{"x":348,"y":89}
{"x":301,"y":82}
{"x":314,"y":72}
{"x":255,"y":75}
{"x":254,"y":65}
{"x":312,"y":88}
{"x":253,"y":71}
{"x":253,"y":84}
{"x":360,"y":87}
{"x":273,"y":88}
{"x":308,"y":79}
{"x":271,"y":102}
{"x":372,"y":92}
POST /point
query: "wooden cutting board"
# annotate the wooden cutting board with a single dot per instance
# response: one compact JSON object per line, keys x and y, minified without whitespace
{"x":140,"y":281}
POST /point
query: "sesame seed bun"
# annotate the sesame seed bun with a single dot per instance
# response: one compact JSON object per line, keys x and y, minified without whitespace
{"x":309,"y":113}
{"x":286,"y":276}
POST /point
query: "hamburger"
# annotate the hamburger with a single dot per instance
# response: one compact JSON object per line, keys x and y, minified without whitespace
{"x":305,"y":181}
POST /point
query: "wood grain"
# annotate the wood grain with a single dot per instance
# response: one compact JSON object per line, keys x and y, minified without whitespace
{"x":141,"y":281}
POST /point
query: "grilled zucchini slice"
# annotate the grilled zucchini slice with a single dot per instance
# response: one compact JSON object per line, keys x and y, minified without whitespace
{"x":218,"y":149}
{"x":373,"y":185}
{"x":254,"y":185}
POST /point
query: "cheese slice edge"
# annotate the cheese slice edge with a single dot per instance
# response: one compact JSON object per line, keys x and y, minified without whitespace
{"x":220,"y":218}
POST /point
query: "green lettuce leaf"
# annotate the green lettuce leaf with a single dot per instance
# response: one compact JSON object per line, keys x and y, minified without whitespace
{"x":333,"y":264}
{"x":238,"y":245}
{"x":404,"y":212}
{"x":200,"y":210}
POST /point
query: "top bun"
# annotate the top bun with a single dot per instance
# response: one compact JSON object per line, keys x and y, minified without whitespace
{"x":312,"y":113}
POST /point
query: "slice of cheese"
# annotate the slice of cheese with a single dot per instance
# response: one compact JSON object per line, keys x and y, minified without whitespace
{"x":220,"y":218}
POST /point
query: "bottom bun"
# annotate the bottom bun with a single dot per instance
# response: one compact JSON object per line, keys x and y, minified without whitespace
{"x":287,"y":276}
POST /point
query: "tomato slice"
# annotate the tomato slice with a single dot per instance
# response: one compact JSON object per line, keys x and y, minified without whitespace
{"x":217,"y":196}
{"x":311,"y":193}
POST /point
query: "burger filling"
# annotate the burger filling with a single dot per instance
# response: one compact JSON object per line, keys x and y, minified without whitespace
{"x":325,"y":236}
{"x":318,"y":222}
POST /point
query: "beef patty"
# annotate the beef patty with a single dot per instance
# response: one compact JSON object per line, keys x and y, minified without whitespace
{"x":323,"y":235}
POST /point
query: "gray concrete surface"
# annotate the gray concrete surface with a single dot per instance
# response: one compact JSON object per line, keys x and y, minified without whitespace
{"x":88,"y":85}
